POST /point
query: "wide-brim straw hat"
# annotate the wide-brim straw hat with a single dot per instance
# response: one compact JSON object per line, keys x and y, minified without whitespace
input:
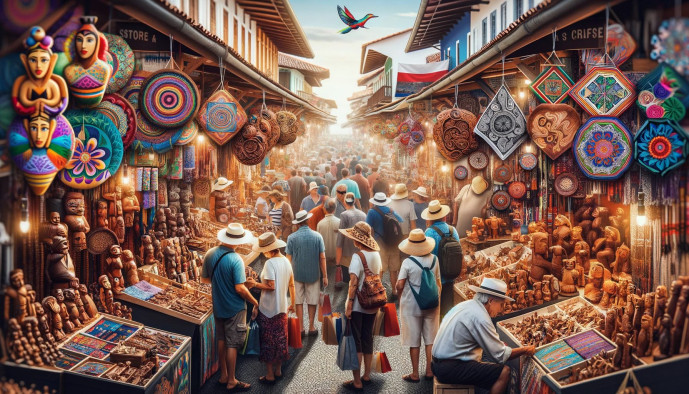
{"x":435,"y":210}
{"x":275,"y":193}
{"x":362,"y":233}
{"x":417,"y":244}
{"x":267,"y":242}
{"x":301,"y":217}
{"x":493,"y":287}
{"x":313,"y":185}
{"x":265,"y":190}
{"x":235,"y":234}
{"x":221,"y":183}
{"x":479,"y":184}
{"x":380,"y":199}
{"x":421,"y":191}
{"x":401,"y":192}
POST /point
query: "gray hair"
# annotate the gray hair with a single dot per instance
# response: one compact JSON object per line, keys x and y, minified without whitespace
{"x":483,"y":298}
{"x":330,"y":205}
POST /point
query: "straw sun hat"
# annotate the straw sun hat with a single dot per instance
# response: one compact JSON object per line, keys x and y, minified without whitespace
{"x":235,"y":234}
{"x":421,"y":191}
{"x":435,"y":211}
{"x":301,"y":216}
{"x":417,"y":244}
{"x":362,"y":233}
{"x":221,"y":183}
{"x":400,"y":192}
{"x":267,"y":242}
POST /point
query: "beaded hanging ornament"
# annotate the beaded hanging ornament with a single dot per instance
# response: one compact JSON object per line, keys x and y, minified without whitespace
{"x":603,"y":148}
{"x":410,"y":133}
{"x":552,"y":128}
{"x":120,"y":111}
{"x":660,"y":145}
{"x":122,"y":61}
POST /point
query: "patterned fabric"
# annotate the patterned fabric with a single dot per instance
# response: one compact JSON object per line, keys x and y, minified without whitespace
{"x":603,"y":148}
{"x":557,"y":356}
{"x":123,"y":62}
{"x":502,"y":124}
{"x":552,"y":84}
{"x":663,"y":93}
{"x":603,"y":91}
{"x":410,"y":133}
{"x":528,"y":161}
{"x":660,"y":145}
{"x":671,"y":44}
{"x":87,"y":85}
{"x":552,"y":128}
{"x":589,"y":344}
{"x":221,"y":117}
{"x":273,"y":338}
{"x":169,"y":98}
{"x":305,"y":247}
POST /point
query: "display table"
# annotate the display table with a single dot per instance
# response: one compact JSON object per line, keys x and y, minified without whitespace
{"x":40,"y":376}
{"x":470,"y":246}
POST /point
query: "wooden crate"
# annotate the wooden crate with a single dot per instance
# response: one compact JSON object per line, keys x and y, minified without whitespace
{"x":442,"y":388}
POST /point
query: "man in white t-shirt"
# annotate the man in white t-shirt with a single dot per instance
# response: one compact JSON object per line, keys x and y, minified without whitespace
{"x":405,"y":209}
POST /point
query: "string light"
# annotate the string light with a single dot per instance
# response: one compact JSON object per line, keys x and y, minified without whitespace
{"x":641,"y":219}
{"x":521,"y":94}
{"x":445,"y":168}
{"x":527,"y":81}
{"x":125,"y":175}
{"x":528,"y":148}
{"x":200,"y":137}
{"x":24,"y":223}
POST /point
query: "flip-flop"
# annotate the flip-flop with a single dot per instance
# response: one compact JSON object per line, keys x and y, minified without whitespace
{"x":408,"y":378}
{"x":239,"y":387}
{"x":429,"y":377}
{"x":313,"y":333}
{"x":265,"y":380}
{"x":350,"y":386}
{"x":365,"y":381}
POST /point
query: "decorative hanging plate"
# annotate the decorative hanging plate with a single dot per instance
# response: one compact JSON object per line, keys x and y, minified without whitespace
{"x":390,"y":130}
{"x":528,"y":161}
{"x":288,"y":127}
{"x":453,"y":133}
{"x":603,"y":91}
{"x":603,"y":148}
{"x":621,"y":46}
{"x":500,"y":200}
{"x":663,"y":93}
{"x":189,"y":133}
{"x":122,"y":115}
{"x":169,"y":98}
{"x":132,"y":88}
{"x":40,"y":166}
{"x":660,"y":145}
{"x":123,"y":62}
{"x":502,"y":124}
{"x":150,"y":136}
{"x":251,"y":145}
{"x":221,"y":116}
{"x":461,"y":172}
{"x":17,"y":16}
{"x":566,"y":184}
{"x":478,"y":160}
{"x":552,"y":84}
{"x":97,"y":153}
{"x":516,"y":190}
{"x":671,"y":44}
{"x":502,"y":174}
{"x":552,"y":128}
{"x":100,"y":240}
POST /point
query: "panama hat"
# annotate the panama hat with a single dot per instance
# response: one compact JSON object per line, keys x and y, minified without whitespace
{"x":421,"y":191}
{"x":313,"y":185}
{"x":417,"y":244}
{"x":493,"y":287}
{"x":479,"y":184}
{"x":380,"y":199}
{"x":221,"y":183}
{"x":400,"y":192}
{"x":235,"y":234}
{"x":349,"y":198}
{"x":435,"y":211}
{"x":267,"y":242}
{"x":301,"y":216}
{"x":265,"y":190}
{"x":362,"y":233}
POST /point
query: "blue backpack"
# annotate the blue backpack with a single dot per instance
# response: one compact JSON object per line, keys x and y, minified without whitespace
{"x":427,"y":297}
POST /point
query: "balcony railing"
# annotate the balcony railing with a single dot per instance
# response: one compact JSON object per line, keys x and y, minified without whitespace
{"x":382,"y":95}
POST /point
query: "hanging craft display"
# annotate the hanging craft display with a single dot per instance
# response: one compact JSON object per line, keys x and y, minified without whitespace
{"x":288,"y":127}
{"x":528,"y":161}
{"x":221,"y":117}
{"x":377,"y":127}
{"x":502,"y":174}
{"x":461,"y":173}
{"x":390,"y":130}
{"x":40,"y":146}
{"x":552,"y":128}
{"x":663,"y":93}
{"x":671,"y":44}
{"x":150,"y":136}
{"x":660,"y":145}
{"x":122,"y":115}
{"x":123,"y":62}
{"x":566,"y":184}
{"x":89,"y":72}
{"x":169,"y":98}
{"x":189,"y":133}
{"x":516,"y":190}
{"x":478,"y":160}
{"x":131,"y":90}
{"x":97,"y":153}
{"x":552,"y":84}
{"x":17,"y":16}
{"x":268,"y":123}
{"x":603,"y":91}
{"x":603,"y":148}
{"x":502,"y":124}
{"x":453,"y":134}
{"x":410,"y":133}
{"x":251,"y":145}
{"x":621,"y":46}
{"x":500,"y":200}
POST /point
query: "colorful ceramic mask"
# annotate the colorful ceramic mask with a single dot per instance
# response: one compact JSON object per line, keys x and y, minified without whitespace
{"x":169,"y":99}
{"x":660,"y":145}
{"x":221,"y":117}
{"x":663,"y":94}
{"x":453,"y":133}
{"x":603,"y":148}
{"x":603,"y":91}
{"x":502,"y":124}
{"x":552,"y":84}
{"x":671,"y":44}
{"x":552,"y":128}
{"x":89,"y":73}
{"x":40,"y":89}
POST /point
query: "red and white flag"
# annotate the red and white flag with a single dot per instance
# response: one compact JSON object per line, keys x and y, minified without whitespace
{"x":413,"y":77}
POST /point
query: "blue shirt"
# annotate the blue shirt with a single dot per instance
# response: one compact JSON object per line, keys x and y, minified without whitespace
{"x":305,"y":247}
{"x":307,"y":203}
{"x":445,"y":229}
{"x":374,"y":220}
{"x":229,"y":271}
{"x":352,"y":187}
{"x":283,"y":184}
{"x":419,"y":208}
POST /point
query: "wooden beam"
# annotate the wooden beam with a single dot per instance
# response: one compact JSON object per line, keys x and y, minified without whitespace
{"x":485,"y":87}
{"x":193,"y":64}
{"x":528,"y":73}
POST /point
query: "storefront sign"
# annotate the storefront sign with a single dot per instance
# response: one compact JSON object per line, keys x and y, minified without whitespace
{"x":142,"y":37}
{"x":585,"y":34}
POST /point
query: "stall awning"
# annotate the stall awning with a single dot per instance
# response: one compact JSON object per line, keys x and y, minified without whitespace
{"x":435,"y":18}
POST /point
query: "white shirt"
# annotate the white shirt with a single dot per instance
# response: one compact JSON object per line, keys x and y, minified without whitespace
{"x":261,"y":207}
{"x":412,"y":273}
{"x":328,"y":230}
{"x":466,"y":332}
{"x":405,"y":209}
{"x":357,"y":268}
{"x":274,"y":302}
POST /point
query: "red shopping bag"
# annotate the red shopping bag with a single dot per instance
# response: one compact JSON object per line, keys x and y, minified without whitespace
{"x":338,"y":275}
{"x":324,"y":307}
{"x":390,"y":322}
{"x":293,"y":333}
{"x":384,"y":363}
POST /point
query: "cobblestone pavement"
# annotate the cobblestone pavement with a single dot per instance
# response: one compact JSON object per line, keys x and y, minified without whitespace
{"x":312,"y":368}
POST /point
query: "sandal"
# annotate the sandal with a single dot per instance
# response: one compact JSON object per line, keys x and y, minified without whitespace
{"x":427,"y":377}
{"x":239,"y":387}
{"x":365,"y":381}
{"x":313,"y":333}
{"x":265,"y":380}
{"x":350,"y":386}
{"x":408,"y":378}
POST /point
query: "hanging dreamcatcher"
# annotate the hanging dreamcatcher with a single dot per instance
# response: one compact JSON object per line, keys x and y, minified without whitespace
{"x":410,"y":133}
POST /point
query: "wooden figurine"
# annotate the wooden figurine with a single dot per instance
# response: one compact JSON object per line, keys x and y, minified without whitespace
{"x":638,"y":312}
{"x":106,"y":296}
{"x":70,"y":304}
{"x":185,"y":197}
{"x":582,"y":255}
{"x":520,"y":300}
{"x":559,"y":254}
{"x":530,"y":300}
{"x":605,"y":247}
{"x":593,"y":291}
{"x":76,"y":221}
{"x":115,"y":210}
{"x":664,"y":338}
{"x":611,"y":317}
{"x":493,"y":224}
{"x":130,"y":204}
{"x":621,"y":221}
{"x":678,"y":320}
{"x":522,"y":279}
{"x":601,"y":220}
{"x":161,"y":222}
{"x":620,"y":342}
{"x":609,"y":293}
{"x":659,"y":307}
{"x":16,"y":297}
{"x":621,"y":267}
{"x":538,"y":293}
{"x":583,"y":217}
{"x":17,"y":344}
{"x":674,"y":297}
{"x":89,"y":305}
{"x":68,"y":324}
{"x":102,"y":214}
{"x":540,"y":265}
{"x":684,"y":348}
{"x":52,"y":309}
{"x":119,"y":229}
{"x":562,"y":234}
{"x":42,"y":318}
{"x":576,"y":235}
{"x":79,"y":302}
{"x":644,"y":341}
{"x":131,"y":276}
{"x":554,"y":285}
{"x":114,"y":268}
{"x":547,"y":296}
{"x":53,"y":227}
{"x":60,"y":269}
{"x":621,"y":299}
{"x":570,"y":278}
{"x":627,"y":355}
{"x":649,"y":301}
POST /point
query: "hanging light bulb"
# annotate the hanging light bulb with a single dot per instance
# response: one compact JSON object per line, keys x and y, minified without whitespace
{"x":24,"y":223}
{"x":527,"y":81}
{"x":641,"y":219}
{"x":282,"y":151}
{"x":445,"y":168}
{"x":521,"y":94}
{"x":421,"y":148}
{"x":528,"y":148}
{"x":125,"y":175}
{"x":151,"y":155}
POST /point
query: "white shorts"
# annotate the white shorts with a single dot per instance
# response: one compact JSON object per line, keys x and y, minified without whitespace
{"x":413,"y":328}
{"x":306,"y":292}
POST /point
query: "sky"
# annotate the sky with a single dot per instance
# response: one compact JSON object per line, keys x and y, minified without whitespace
{"x":341,"y":53}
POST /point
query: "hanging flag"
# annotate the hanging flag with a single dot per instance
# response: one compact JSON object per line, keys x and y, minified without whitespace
{"x":413,"y":77}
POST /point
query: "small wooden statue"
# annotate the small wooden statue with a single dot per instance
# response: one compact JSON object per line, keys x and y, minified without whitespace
{"x":605,"y":247}
{"x":70,"y":304}
{"x":102,"y":214}
{"x":52,"y":228}
{"x":16,"y":297}
{"x":79,"y":302}
{"x":678,"y":320}
{"x":60,"y":269}
{"x":611,"y":317}
{"x":52,"y":309}
{"x":664,"y":338}
{"x":659,"y":307}
{"x":582,"y":256}
{"x":115,"y":210}
{"x":540,"y":264}
{"x":621,"y":267}
{"x":644,"y":341}
{"x":538,"y":293}
{"x":68,"y":324}
{"x":674,"y":297}
{"x":130,"y":204}
{"x":493,"y":224}
{"x":562,"y":234}
{"x":620,"y":342}
{"x":559,"y":254}
{"x":114,"y":268}
{"x":601,"y":219}
{"x":621,"y":299}
{"x":593,"y":291}
{"x":76,"y":221}
{"x":609,"y":293}
{"x":131,"y":276}
{"x":106,"y":296}
{"x":570,"y":278}
{"x":89,"y":305}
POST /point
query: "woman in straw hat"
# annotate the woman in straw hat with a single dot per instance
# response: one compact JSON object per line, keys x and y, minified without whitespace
{"x":415,"y":322}
{"x":361,"y":319}
{"x":281,"y":214}
{"x":276,"y":280}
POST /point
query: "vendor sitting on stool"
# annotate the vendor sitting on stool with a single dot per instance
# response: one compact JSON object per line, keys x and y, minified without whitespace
{"x":466,"y":332}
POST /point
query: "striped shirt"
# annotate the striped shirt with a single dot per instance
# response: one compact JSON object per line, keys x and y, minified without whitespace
{"x":276,"y":217}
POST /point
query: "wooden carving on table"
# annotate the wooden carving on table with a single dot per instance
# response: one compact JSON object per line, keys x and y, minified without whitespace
{"x":74,"y":314}
{"x":601,"y":220}
{"x":185,"y":198}
{"x":678,"y":320}
{"x":621,"y":299}
{"x":76,"y":221}
{"x":583,"y":217}
{"x":621,"y":267}
{"x":609,"y":291}
{"x":114,"y":269}
{"x":562,"y":234}
{"x":593,"y":291}
{"x":17,"y":301}
{"x":453,"y":133}
{"x":60,"y":271}
{"x":664,"y":338}
{"x":130,"y":204}
{"x":131,"y":276}
{"x":659,"y":307}
{"x":570,"y":279}
{"x":106,"y":296}
{"x":477,"y":232}
{"x":161,"y":222}
{"x":552,"y":128}
{"x":553,"y":284}
{"x":576,"y":235}
{"x":68,"y":323}
{"x":89,"y":73}
{"x":644,"y":341}
{"x":582,"y":255}
{"x":559,"y":255}
{"x":52,"y":309}
{"x":540,"y":264}
{"x":493,"y":224}
{"x":604,"y":248}
{"x":114,"y":206}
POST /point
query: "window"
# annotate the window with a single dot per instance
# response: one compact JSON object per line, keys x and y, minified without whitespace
{"x":284,"y":78}
{"x":503,"y":16}
{"x":236,"y":36}
{"x":212,"y":18}
{"x":518,"y":10}
{"x":484,"y":32}
{"x":243,"y":43}
{"x":248,"y":48}
{"x":468,"y":45}
{"x":530,"y":4}
{"x":493,"y":24}
{"x":457,"y":53}
{"x":226,"y":28}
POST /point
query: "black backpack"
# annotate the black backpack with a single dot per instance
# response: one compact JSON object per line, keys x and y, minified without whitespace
{"x":392,"y":229}
{"x":450,"y":255}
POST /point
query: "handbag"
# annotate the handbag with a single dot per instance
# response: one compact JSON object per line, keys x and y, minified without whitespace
{"x":371,"y":294}
{"x":392,"y":325}
{"x":347,"y":358}
{"x":252,"y":344}
{"x":293,"y":333}
{"x":329,"y":334}
{"x":378,"y":323}
{"x":324,"y":307}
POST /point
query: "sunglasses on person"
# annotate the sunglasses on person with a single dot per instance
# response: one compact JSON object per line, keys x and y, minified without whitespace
{"x":341,"y":192}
